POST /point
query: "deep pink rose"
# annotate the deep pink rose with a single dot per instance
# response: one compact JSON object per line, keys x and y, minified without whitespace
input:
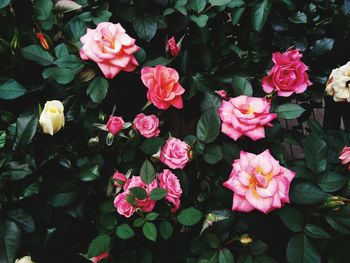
{"x":258,"y":182}
{"x":119,"y":179}
{"x":173,"y":48}
{"x":222,"y":93}
{"x":288,"y":75}
{"x":247,"y":116}
{"x":168,"y":181}
{"x":99,"y":257}
{"x":115,"y":124}
{"x":147,"y":125}
{"x":175,"y":153}
{"x":345,"y":156}
{"x":164,"y":89}
{"x":110,"y":47}
{"x":123,"y":207}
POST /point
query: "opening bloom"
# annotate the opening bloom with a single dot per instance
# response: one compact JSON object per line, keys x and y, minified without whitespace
{"x":52,"y":117}
{"x":247,"y":116}
{"x":115,"y":124}
{"x":338,"y":84}
{"x":110,"y":47}
{"x":119,"y":179}
{"x":169,"y":181}
{"x":345,"y":156}
{"x":175,"y":153}
{"x":147,"y":125}
{"x":258,"y":182}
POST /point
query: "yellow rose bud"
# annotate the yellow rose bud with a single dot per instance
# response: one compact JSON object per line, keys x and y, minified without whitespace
{"x":26,"y":259}
{"x":52,"y":117}
{"x":246,"y":239}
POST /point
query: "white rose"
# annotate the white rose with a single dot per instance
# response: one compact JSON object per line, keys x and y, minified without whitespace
{"x":338,"y":84}
{"x":52,"y":117}
{"x":26,"y":259}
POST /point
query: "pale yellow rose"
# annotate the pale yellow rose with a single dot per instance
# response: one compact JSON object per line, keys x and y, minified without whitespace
{"x":338,"y":84}
{"x":26,"y":259}
{"x":52,"y":117}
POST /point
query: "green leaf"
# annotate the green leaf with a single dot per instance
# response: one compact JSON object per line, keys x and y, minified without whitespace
{"x":147,"y":172}
{"x":307,"y":193}
{"x":61,"y":50}
{"x":152,"y":145}
{"x":212,"y":154}
{"x":10,"y":241}
{"x":158,"y":61}
{"x":315,"y":231}
{"x":4,"y":3}
{"x":322,"y":46}
{"x":225,"y":256}
{"x":22,"y":219}
{"x":292,"y":218}
{"x":197,"y":5}
{"x":340,"y":220}
{"x":66,"y":6}
{"x":201,"y":20}
{"x":241,"y":86}
{"x":69,"y":62}
{"x":97,"y":89}
{"x":61,"y":75}
{"x":208,"y":127}
{"x":298,"y":18}
{"x":219,"y":2}
{"x":145,"y":27}
{"x":151,"y":216}
{"x":124,"y":231}
{"x":258,"y":248}
{"x":289,"y":111}
{"x":90,"y":173}
{"x":158,"y":194}
{"x":236,"y":15}
{"x":331,"y":182}
{"x":102,"y":16}
{"x":138,"y":192}
{"x":300,"y":249}
{"x":37,"y":54}
{"x":25,"y":130}
{"x":210,"y":101}
{"x":2,"y":139}
{"x":16,"y":170}
{"x":189,"y":216}
{"x":43,"y":11}
{"x":150,"y":231}
{"x":165,"y":230}
{"x":99,"y":245}
{"x":75,"y":29}
{"x":260,"y":14}
{"x":315,"y":152}
{"x":138,"y":222}
{"x":11,"y":89}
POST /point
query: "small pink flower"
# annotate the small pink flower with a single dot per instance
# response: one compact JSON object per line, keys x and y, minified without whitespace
{"x":99,"y":257}
{"x":222,"y":93}
{"x":288,"y":75}
{"x":169,"y":182}
{"x":164,"y":89}
{"x":110,"y":47}
{"x":119,"y":179}
{"x":173,"y":48}
{"x":345,"y":156}
{"x":123,"y":207}
{"x":258,"y":182}
{"x":115,"y":124}
{"x":247,"y":116}
{"x":175,"y":153}
{"x":147,"y":125}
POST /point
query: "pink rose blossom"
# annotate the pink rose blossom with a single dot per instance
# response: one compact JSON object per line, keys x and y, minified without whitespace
{"x":345,"y":156}
{"x":99,"y":257}
{"x":172,"y":47}
{"x":119,"y":179}
{"x":147,"y":125}
{"x":247,"y":116}
{"x":110,"y":47}
{"x":123,"y":207}
{"x":175,"y":153}
{"x":222,"y":93}
{"x":115,"y":124}
{"x":169,"y":182}
{"x":288,"y":75}
{"x":258,"y":182}
{"x":164,"y":89}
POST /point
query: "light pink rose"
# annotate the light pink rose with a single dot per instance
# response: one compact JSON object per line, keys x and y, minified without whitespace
{"x":258,"y":182}
{"x":119,"y":179}
{"x":123,"y":207}
{"x":110,"y":47}
{"x":345,"y":156}
{"x":147,"y":125}
{"x":164,"y":89}
{"x":172,"y":47}
{"x":288,"y":75}
{"x":168,"y":181}
{"x":175,"y":153}
{"x":222,"y":93}
{"x":115,"y":124}
{"x":247,"y":116}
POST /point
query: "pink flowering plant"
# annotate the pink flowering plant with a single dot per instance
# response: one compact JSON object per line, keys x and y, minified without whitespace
{"x":174,"y":131}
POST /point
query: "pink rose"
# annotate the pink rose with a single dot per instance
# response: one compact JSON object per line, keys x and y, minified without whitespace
{"x":288,"y":75}
{"x":345,"y":156}
{"x":119,"y":179}
{"x":169,"y":182}
{"x":222,"y":93}
{"x":115,"y":124}
{"x":110,"y":47}
{"x":175,"y":153}
{"x":258,"y":182}
{"x":123,"y":207}
{"x":99,"y":257}
{"x":245,"y":116}
{"x":164,"y":89}
{"x":147,"y":125}
{"x":173,"y":48}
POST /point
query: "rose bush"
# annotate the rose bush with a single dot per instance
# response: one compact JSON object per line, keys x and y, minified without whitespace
{"x":161,"y":131}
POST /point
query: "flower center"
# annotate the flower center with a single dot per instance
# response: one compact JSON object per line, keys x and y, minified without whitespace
{"x":53,"y":110}
{"x":260,"y":178}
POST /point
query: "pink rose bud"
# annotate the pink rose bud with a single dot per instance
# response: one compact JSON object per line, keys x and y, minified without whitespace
{"x":345,"y":155}
{"x":115,"y":124}
{"x":99,"y":257}
{"x":110,"y":47}
{"x":288,"y":75}
{"x":164,"y":89}
{"x":222,"y":93}
{"x":147,"y":125}
{"x":168,"y":181}
{"x":119,"y":179}
{"x":247,"y":116}
{"x":173,"y":48}
{"x":175,"y":153}
{"x":258,"y":182}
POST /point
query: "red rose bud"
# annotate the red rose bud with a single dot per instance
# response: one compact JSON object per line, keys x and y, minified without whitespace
{"x":172,"y":47}
{"x":42,"y":40}
{"x":99,"y":257}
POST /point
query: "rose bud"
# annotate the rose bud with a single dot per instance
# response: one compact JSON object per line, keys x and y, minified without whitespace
{"x":42,"y":40}
{"x":52,"y":117}
{"x":173,"y":48}
{"x":115,"y":124}
{"x":26,"y":259}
